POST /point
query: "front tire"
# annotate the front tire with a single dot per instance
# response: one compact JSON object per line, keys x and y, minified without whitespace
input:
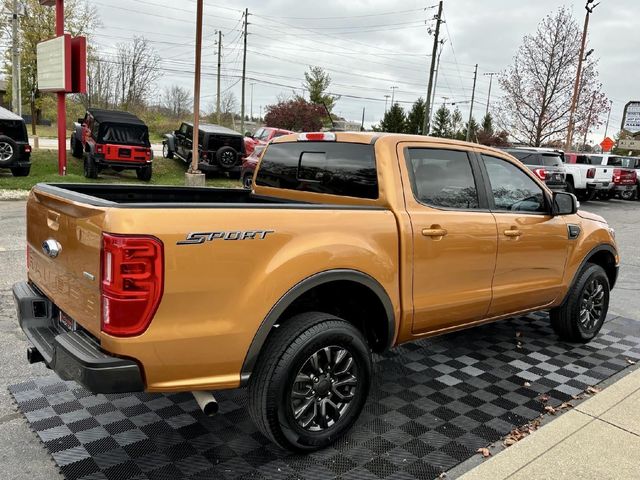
{"x":247,"y":181}
{"x":76,"y":147}
{"x":166,"y":151}
{"x":311,"y":382}
{"x":585,"y":309}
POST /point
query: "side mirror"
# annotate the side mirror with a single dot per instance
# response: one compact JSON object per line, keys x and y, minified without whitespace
{"x":565,"y":203}
{"x":248,"y":134}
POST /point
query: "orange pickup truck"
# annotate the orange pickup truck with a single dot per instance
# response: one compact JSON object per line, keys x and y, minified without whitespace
{"x":347,"y":244}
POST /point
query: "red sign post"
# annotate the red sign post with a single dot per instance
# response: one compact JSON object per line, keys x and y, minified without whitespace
{"x":74,"y":70}
{"x":607,"y":144}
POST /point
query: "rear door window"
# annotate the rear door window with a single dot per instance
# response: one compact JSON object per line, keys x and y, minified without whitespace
{"x":551,"y":160}
{"x":528,"y":158}
{"x":346,"y":169}
{"x":442,"y":178}
{"x":13,"y":129}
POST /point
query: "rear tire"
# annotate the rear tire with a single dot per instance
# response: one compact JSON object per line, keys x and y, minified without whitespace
{"x":247,"y":181}
{"x":227,"y":157}
{"x":90,"y":167}
{"x":585,"y":309}
{"x":295,"y":382}
{"x":21,"y":171}
{"x":628,"y":195}
{"x":144,"y":173}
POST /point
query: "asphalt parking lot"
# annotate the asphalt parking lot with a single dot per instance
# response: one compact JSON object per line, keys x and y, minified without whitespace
{"x":23,"y":457}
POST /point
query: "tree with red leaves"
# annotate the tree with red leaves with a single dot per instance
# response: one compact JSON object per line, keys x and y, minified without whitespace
{"x":297,"y":115}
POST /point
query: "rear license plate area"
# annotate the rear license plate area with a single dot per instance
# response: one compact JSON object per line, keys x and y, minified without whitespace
{"x":65,"y":322}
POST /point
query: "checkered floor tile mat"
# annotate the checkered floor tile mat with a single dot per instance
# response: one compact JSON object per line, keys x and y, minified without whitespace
{"x":433,"y":404}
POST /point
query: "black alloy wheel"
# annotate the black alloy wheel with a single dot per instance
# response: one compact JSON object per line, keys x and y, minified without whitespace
{"x":323,"y":388}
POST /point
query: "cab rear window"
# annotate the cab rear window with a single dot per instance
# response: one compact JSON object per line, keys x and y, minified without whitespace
{"x":345,"y":169}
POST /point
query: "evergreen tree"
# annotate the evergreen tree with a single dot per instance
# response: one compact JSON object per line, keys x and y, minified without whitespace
{"x":442,"y":123}
{"x":415,"y":118}
{"x":317,"y":82}
{"x":487,"y":125}
{"x":395,"y":120}
{"x":457,"y":124}
{"x":474,"y":130}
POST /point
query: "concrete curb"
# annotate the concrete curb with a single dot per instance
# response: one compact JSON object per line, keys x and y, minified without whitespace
{"x":12,"y":195}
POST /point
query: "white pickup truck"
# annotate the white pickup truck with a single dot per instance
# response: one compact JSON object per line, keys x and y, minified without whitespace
{"x":626,"y":174}
{"x":586,"y":176}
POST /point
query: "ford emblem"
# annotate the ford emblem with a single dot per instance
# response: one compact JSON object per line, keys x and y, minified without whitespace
{"x":51,"y":248}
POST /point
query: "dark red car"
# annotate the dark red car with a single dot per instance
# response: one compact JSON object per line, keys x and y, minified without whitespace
{"x":263,"y":136}
{"x":249,"y":165}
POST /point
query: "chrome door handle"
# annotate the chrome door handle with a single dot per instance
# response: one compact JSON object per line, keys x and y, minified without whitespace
{"x":434,"y":232}
{"x":513,"y":233}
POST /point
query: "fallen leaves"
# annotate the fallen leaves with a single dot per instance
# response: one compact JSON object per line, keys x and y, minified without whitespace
{"x":527,"y":384}
{"x":484,"y":452}
{"x":544,"y":398}
{"x":593,"y":390}
{"x":519,"y":433}
{"x":630,"y":362}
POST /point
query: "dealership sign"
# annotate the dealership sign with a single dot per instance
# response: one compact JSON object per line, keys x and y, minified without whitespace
{"x":631,"y":117}
{"x":62,"y":65}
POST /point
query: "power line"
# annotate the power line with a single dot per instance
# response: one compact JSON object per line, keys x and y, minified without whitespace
{"x":396,"y":12}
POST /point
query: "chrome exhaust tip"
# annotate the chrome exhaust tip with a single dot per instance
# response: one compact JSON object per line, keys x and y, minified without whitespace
{"x":207,"y":403}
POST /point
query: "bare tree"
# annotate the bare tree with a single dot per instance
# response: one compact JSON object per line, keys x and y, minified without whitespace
{"x":177,"y":101}
{"x":539,"y":84}
{"x":138,"y":68}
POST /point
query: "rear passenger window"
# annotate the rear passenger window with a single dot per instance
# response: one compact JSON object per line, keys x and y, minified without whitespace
{"x":346,"y":169}
{"x":442,"y":178}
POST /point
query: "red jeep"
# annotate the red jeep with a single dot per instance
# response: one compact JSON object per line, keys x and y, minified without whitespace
{"x":112,"y":139}
{"x":263,"y":136}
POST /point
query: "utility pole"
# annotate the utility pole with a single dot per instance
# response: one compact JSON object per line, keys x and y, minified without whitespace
{"x":219,"y":69}
{"x":362,"y":124}
{"x":435,"y":81}
{"x":386,"y":99}
{"x":606,"y":129}
{"x":15,"y":64}
{"x":193,"y":176}
{"x":586,"y":130}
{"x":251,"y":108}
{"x":490,"y":84}
{"x":393,"y":95}
{"x":427,"y":119}
{"x":576,"y":87}
{"x":244,"y":68}
{"x":473,"y":98}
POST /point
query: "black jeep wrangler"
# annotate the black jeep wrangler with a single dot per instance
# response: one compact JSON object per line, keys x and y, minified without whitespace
{"x":221,"y":149}
{"x":15,"y":151}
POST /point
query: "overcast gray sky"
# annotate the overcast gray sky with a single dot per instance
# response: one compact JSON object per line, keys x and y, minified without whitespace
{"x":367,"y":46}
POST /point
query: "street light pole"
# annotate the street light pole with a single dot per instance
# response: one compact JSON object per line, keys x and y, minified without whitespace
{"x":386,"y":99}
{"x":576,"y":87}
{"x":606,"y":130}
{"x":473,"y":98}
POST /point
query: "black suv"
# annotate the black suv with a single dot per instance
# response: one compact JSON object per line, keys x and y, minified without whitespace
{"x":547,"y":164}
{"x":15,"y":151}
{"x":221,"y":149}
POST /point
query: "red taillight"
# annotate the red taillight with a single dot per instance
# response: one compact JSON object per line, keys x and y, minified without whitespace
{"x":591,"y":173}
{"x":617,"y":173}
{"x":131,"y":284}
{"x":317,"y":137}
{"x":541,"y":173}
{"x":100,"y":149}
{"x":27,"y":149}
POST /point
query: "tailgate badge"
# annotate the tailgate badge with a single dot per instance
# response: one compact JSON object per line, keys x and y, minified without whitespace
{"x":51,"y":248}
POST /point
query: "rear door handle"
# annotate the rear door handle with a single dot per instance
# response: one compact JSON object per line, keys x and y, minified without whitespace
{"x":513,"y":233}
{"x":434,"y":232}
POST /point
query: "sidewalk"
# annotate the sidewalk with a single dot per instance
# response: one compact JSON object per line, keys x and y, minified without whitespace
{"x":598,"y":439}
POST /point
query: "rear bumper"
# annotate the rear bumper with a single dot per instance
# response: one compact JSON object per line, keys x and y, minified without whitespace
{"x":624,"y":188}
{"x":557,"y":187}
{"x":599,"y":186}
{"x":72,"y":355}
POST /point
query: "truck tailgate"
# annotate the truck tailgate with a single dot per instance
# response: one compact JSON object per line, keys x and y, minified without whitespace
{"x":604,"y":174}
{"x":72,"y":278}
